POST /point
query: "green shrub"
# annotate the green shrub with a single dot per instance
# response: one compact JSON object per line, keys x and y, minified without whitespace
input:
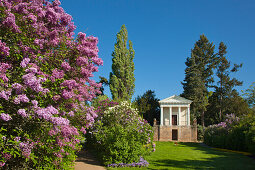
{"x":232,"y":134}
{"x":121,"y":135}
{"x":200,"y":133}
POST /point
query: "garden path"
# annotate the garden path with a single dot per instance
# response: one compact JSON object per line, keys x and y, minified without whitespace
{"x":86,"y":161}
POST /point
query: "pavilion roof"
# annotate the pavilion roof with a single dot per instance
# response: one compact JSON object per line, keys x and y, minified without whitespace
{"x":175,"y":100}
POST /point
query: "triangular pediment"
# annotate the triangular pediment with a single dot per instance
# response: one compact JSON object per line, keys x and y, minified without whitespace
{"x":175,"y":99}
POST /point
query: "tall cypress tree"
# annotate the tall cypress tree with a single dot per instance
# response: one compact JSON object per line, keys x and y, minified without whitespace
{"x":198,"y":76}
{"x":122,"y":80}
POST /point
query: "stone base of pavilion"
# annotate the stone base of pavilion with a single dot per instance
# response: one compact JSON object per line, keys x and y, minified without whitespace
{"x":175,"y":133}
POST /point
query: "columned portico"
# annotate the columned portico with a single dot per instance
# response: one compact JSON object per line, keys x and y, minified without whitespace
{"x":188,"y":116}
{"x":161,"y":115}
{"x":175,"y":121}
{"x":170,"y":116}
{"x":172,"y":108}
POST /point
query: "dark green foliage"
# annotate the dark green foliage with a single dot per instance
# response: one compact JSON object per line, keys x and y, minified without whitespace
{"x":200,"y":133}
{"x":122,"y":80}
{"x":104,"y":82}
{"x":148,"y":106}
{"x":198,"y":76}
{"x":233,"y":103}
{"x":250,"y":95}
{"x":239,"y":136}
{"x":224,"y":98}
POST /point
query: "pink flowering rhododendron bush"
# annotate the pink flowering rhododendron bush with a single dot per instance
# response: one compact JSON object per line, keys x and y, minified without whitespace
{"x":44,"y":85}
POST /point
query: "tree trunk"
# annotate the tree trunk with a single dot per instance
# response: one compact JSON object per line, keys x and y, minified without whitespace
{"x":203,"y":119}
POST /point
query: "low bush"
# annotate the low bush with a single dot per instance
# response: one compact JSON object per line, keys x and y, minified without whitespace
{"x":121,"y":136}
{"x":233,"y":133}
{"x":200,"y":133}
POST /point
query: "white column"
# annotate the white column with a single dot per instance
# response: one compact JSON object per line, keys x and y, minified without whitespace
{"x":188,"y":116}
{"x":179,"y":114}
{"x":170,"y":116}
{"x":161,"y":115}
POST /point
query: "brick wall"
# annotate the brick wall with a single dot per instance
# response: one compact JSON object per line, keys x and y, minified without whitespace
{"x":185,"y":133}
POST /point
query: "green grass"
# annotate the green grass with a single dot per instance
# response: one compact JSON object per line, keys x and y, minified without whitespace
{"x":194,"y":156}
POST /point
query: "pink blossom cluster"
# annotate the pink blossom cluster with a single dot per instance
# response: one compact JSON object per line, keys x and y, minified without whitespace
{"x":5,"y":117}
{"x":3,"y":68}
{"x":22,"y":112}
{"x":26,"y":148}
{"x":45,"y":73}
{"x":5,"y":94}
{"x":65,"y":137}
{"x":4,"y":49}
{"x":21,"y":98}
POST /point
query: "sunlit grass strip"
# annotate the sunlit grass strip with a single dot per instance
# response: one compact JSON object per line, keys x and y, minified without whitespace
{"x":227,"y":150}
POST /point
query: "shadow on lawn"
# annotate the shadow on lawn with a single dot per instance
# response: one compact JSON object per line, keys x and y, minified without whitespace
{"x":88,"y":158}
{"x":221,"y":160}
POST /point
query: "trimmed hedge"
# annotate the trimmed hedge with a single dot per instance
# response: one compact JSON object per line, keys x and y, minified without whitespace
{"x":234,"y":135}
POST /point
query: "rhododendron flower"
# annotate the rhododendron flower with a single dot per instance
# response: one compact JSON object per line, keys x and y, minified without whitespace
{"x":83,"y":130}
{"x":17,"y":138}
{"x":35,"y":103}
{"x":2,"y":164}
{"x":71,"y":113}
{"x":22,"y":112}
{"x":4,"y":50}
{"x":18,"y":87}
{"x":59,"y":121}
{"x":21,"y":98}
{"x":26,"y":148}
{"x":5,"y":117}
{"x":66,"y":66}
{"x":56,"y":97}
{"x":25,"y":62}
{"x":5,"y":95}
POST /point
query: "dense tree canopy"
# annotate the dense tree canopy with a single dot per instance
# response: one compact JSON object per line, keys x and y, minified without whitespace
{"x":148,"y":106}
{"x":198,"y":76}
{"x":122,"y":80}
{"x":224,"y":97}
{"x":203,"y":67}
{"x":250,"y":95}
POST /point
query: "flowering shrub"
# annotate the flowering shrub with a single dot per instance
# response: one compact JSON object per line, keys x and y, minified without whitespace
{"x":141,"y":163}
{"x":44,"y":85}
{"x":121,"y":136}
{"x":233,"y":134}
{"x":101,"y":104}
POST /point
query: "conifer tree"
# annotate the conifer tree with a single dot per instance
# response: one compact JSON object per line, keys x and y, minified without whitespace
{"x":198,"y":76}
{"x":250,"y":95}
{"x":122,"y":80}
{"x":220,"y":101}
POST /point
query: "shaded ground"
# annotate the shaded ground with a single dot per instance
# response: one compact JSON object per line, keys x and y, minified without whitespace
{"x":87,"y":161}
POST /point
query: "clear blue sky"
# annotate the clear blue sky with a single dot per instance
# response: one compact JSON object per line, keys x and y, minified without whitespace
{"x":163,"y":33}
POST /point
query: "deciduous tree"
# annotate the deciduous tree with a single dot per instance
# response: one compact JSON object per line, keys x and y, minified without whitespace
{"x":148,"y":106}
{"x":122,"y":80}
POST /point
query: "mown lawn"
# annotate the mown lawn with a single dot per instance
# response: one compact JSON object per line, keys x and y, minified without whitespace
{"x":194,"y":156}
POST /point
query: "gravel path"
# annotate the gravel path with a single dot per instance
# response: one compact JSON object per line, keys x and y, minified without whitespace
{"x":86,"y":161}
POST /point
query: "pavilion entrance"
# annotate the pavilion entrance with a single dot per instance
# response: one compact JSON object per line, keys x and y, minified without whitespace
{"x":174,"y":134}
